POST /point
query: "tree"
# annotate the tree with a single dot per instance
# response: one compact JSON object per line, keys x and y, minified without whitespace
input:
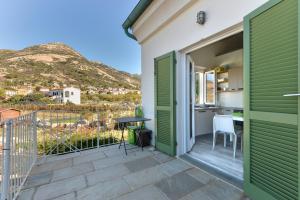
{"x":37,"y":88}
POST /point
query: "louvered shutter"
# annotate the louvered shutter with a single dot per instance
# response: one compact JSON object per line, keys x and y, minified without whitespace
{"x":271,"y":119}
{"x":165,"y":103}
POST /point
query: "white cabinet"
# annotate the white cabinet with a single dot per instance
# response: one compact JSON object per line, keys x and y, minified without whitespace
{"x":203,"y":122}
{"x":235,"y":77}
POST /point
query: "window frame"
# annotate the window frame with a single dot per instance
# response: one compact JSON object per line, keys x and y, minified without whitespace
{"x":205,"y":88}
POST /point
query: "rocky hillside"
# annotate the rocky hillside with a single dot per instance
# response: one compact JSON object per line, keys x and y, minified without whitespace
{"x":56,"y":65}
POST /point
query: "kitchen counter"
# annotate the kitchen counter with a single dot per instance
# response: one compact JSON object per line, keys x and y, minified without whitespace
{"x":198,"y":108}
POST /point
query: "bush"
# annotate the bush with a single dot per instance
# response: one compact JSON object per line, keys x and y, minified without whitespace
{"x":78,"y":141}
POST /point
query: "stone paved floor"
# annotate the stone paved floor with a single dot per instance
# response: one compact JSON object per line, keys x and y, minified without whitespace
{"x":107,"y":173}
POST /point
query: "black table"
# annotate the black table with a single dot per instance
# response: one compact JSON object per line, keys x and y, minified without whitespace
{"x":123,"y":122}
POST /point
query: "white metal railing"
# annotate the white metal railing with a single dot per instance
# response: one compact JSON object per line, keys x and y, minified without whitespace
{"x":18,"y":153}
{"x":61,"y":132}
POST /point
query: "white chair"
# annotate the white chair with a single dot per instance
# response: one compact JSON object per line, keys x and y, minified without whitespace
{"x":223,"y":124}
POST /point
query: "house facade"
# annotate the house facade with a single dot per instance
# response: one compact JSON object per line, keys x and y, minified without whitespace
{"x":65,"y":95}
{"x":205,"y":57}
{"x":10,"y":93}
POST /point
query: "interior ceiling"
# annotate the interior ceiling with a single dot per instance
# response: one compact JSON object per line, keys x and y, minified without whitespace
{"x":214,"y":54}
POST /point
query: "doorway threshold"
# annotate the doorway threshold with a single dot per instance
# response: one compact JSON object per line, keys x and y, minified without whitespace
{"x":213,"y":170}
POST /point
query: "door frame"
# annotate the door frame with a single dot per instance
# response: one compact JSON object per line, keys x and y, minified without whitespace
{"x":183,"y":82}
{"x":191,"y":102}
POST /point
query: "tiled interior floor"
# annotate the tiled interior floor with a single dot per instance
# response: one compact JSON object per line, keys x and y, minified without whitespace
{"x":107,"y":173}
{"x":220,"y":158}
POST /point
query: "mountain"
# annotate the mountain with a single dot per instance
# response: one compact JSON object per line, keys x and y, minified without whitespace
{"x":56,"y":65}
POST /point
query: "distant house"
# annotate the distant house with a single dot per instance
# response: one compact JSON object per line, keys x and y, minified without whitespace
{"x":44,"y":90}
{"x":8,"y":113}
{"x":10,"y":93}
{"x":65,"y":95}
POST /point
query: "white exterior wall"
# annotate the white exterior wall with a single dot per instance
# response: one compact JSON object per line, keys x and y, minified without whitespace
{"x":169,"y":25}
{"x":74,"y":95}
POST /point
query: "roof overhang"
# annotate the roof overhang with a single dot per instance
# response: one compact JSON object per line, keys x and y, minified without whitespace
{"x":134,"y":16}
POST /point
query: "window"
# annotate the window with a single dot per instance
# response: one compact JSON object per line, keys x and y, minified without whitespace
{"x":210,"y":87}
{"x":67,"y":94}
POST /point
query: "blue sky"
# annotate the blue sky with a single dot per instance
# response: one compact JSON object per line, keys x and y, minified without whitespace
{"x":92,"y":27}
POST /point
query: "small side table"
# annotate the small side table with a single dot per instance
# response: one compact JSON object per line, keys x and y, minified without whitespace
{"x":122,"y":123}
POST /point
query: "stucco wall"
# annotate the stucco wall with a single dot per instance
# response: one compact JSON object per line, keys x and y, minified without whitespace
{"x":179,"y":32}
{"x":74,"y":95}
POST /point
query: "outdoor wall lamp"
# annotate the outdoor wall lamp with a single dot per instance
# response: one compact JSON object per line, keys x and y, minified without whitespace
{"x":201,"y":17}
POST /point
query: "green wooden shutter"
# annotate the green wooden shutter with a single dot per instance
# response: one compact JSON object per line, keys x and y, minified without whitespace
{"x":165,"y":111}
{"x":271,"y":158}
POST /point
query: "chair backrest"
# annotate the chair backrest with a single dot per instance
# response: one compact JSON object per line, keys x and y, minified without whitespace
{"x":223,"y":123}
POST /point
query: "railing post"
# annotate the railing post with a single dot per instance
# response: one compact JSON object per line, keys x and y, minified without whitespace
{"x":6,"y":161}
{"x":34,"y":134}
{"x":98,"y":129}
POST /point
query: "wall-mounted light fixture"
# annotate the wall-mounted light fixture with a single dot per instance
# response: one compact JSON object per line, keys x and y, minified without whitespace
{"x":201,"y":17}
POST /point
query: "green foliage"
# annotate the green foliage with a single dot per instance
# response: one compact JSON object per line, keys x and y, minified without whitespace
{"x":129,"y":97}
{"x":120,"y":107}
{"x":2,"y":94}
{"x":33,"y":98}
{"x":77,"y":141}
{"x":15,"y":99}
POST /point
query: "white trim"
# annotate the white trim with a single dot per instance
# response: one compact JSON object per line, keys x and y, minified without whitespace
{"x":205,"y":90}
{"x":154,"y":6}
{"x":191,"y":141}
{"x":181,"y":119}
{"x":153,"y":10}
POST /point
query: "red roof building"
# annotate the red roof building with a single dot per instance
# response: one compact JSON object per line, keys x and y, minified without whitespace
{"x":8,"y":113}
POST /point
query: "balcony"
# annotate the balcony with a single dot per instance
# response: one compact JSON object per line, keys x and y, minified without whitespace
{"x":94,"y":168}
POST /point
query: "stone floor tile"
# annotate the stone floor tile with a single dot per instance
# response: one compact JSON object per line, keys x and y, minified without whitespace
{"x":104,"y":190}
{"x":108,"y":162}
{"x":197,"y":195}
{"x":60,"y":188}
{"x":115,"y":152}
{"x":50,"y":166}
{"x":72,"y":171}
{"x":26,"y":194}
{"x":137,"y":155}
{"x":141,"y":164}
{"x":38,"y":179}
{"x":178,"y":185}
{"x":91,"y":157}
{"x":91,"y":151}
{"x":145,"y":177}
{"x":218,"y":189}
{"x":162,"y":158}
{"x":174,"y":167}
{"x":146,"y":193}
{"x":60,"y":157}
{"x":201,"y":175}
{"x":106,"y":174}
{"x":70,"y":196}
{"x":111,"y":178}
